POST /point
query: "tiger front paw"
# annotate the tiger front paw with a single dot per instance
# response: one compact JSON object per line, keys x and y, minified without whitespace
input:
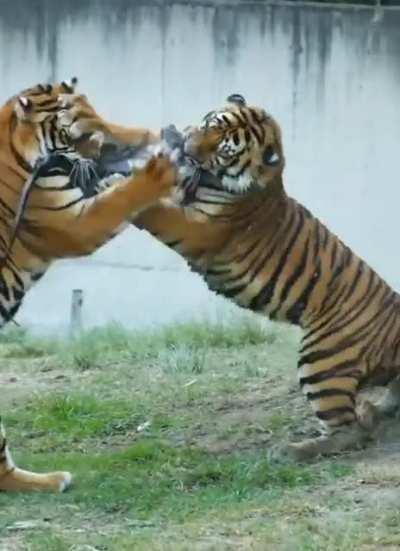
{"x":161,"y":175}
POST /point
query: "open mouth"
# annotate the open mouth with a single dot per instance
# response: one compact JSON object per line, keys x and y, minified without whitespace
{"x":194,"y":176}
{"x":91,"y":175}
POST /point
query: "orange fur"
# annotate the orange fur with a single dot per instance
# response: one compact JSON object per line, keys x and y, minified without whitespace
{"x":260,"y":248}
{"x":58,"y":223}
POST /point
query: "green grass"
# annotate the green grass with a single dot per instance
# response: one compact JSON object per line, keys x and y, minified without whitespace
{"x":170,"y":435}
{"x":156,"y":481}
{"x":79,"y":416}
{"x":18,"y":343}
{"x":100,"y":346}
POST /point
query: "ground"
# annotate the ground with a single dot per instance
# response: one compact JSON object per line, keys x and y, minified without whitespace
{"x":171,"y":436}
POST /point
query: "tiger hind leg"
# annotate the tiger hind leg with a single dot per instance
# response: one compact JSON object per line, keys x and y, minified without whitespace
{"x":13,"y":478}
{"x":335,"y":441}
{"x":331,"y":392}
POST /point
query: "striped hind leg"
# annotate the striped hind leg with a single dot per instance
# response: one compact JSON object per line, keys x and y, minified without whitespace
{"x":14,"y":479}
{"x":331,"y":391}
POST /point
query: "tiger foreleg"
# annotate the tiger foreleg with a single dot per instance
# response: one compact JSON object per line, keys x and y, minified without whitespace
{"x":13,"y":478}
{"x":109,"y":209}
{"x":80,"y":118}
{"x":83,"y":226}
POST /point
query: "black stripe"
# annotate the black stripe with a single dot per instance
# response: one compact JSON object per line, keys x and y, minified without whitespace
{"x":218,"y":272}
{"x":333,"y":253}
{"x":327,"y":305}
{"x":230,"y":292}
{"x":358,"y":336}
{"x":4,"y":289}
{"x":336,"y":412}
{"x":61,"y":207}
{"x":21,"y":161}
{"x":292,"y":280}
{"x":236,"y":116}
{"x":344,"y":320}
{"x":257,"y":135}
{"x":18,"y":294}
{"x":241,"y":170}
{"x":300,"y":306}
{"x":326,"y":235}
{"x":347,"y":368}
{"x":14,"y":270}
{"x":256,"y":267}
{"x":239,"y":259}
{"x":377,"y":342}
{"x":4,"y":313}
{"x":173,"y":244}
{"x":12,"y":311}
{"x":36,"y":276}
{"x":360,"y":270}
{"x":42,"y":105}
{"x":264,"y":296}
{"x":329,"y":393}
{"x":317,"y":239}
{"x":7,"y":208}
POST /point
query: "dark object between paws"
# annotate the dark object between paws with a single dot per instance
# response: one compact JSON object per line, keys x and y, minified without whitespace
{"x":195,"y":174}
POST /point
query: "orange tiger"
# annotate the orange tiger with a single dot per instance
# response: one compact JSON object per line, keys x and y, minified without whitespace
{"x":59,"y":218}
{"x":260,"y":248}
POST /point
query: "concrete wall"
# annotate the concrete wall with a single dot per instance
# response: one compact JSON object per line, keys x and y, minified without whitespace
{"x":330,"y":75}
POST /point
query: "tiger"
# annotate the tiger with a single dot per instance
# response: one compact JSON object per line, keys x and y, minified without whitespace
{"x":59,"y":220}
{"x":258,"y":247}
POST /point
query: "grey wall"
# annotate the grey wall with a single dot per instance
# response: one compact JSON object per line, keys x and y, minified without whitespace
{"x":330,"y":75}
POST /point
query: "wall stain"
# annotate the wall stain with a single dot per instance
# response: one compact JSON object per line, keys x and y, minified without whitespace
{"x":297,"y":50}
{"x":309,"y":29}
{"x":324,"y":46}
{"x":225,"y":32}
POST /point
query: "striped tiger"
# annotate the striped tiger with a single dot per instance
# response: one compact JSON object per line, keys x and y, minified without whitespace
{"x":260,"y":248}
{"x":59,"y":218}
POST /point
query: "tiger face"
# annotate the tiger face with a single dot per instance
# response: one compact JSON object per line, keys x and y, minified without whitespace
{"x":238,"y":143}
{"x":35,"y":129}
{"x":53,"y":118}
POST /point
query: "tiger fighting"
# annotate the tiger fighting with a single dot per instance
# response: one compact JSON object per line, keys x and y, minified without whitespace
{"x":220,"y":203}
{"x":45,"y":215}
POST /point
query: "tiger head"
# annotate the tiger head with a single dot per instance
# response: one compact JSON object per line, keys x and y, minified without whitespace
{"x":40,"y":123}
{"x":240,"y":144}
{"x":41,"y":102}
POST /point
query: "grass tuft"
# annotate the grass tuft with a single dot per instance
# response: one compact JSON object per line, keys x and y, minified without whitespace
{"x":99,"y":346}
{"x":76,"y":417}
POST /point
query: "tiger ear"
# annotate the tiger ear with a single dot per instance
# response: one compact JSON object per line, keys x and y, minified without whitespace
{"x":69,"y":85}
{"x":270,"y":157}
{"x":45,"y":88}
{"x":238,"y":99}
{"x":25,"y":103}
